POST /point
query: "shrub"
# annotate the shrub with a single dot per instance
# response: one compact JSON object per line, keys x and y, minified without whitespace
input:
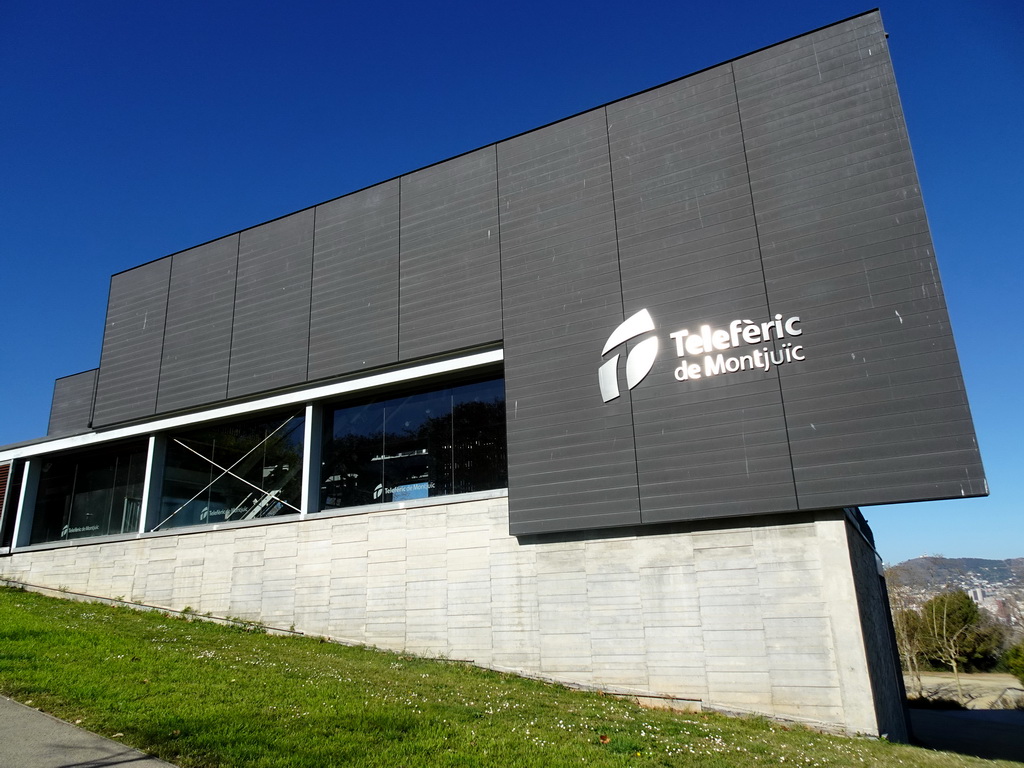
{"x":1013,"y":659}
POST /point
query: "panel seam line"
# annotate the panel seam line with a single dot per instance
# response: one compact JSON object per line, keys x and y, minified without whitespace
{"x":764,"y":279}
{"x":163,"y":338}
{"x":622,"y":305}
{"x":312,"y":270}
{"x":234,"y":305}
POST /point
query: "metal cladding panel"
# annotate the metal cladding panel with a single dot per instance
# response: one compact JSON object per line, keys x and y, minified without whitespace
{"x":572,"y":463}
{"x":877,"y":412}
{"x":354,"y":313}
{"x":780,"y":185}
{"x":197,"y":337}
{"x":71,"y":408}
{"x":450,"y":270}
{"x":711,"y":446}
{"x":132,"y":344}
{"x":270,"y":331}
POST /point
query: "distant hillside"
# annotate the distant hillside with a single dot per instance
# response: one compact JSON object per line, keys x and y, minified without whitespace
{"x":938,"y":572}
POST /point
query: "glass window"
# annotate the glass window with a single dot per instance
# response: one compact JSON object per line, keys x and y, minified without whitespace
{"x":10,"y":502}
{"x":352,"y":471}
{"x":479,"y":449}
{"x":240,"y":470}
{"x":429,"y":443}
{"x":91,"y":493}
{"x":417,"y":440}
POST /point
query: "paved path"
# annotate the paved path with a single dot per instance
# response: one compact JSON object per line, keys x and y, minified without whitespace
{"x":33,"y":739}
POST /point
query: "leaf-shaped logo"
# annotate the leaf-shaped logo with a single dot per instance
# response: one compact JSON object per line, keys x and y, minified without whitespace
{"x":639,"y":361}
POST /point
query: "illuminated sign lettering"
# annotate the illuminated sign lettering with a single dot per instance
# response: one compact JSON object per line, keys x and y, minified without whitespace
{"x":708,"y":341}
{"x":705,"y":352}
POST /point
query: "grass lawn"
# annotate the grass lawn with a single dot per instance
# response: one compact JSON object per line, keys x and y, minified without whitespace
{"x":200,"y":694}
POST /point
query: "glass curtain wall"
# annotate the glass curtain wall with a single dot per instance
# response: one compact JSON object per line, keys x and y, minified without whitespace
{"x":92,"y":493}
{"x":239,"y":470}
{"x":430,"y":443}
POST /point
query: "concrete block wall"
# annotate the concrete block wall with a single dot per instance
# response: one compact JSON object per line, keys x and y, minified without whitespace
{"x":759,"y":617}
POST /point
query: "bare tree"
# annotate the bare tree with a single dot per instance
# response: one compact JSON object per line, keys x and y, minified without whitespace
{"x":907,"y":625}
{"x":958,"y":634}
{"x":947,"y":641}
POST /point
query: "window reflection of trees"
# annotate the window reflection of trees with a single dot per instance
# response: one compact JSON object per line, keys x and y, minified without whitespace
{"x":459,"y":451}
{"x":91,"y":493}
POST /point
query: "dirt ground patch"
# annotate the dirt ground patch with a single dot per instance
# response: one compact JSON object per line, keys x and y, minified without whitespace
{"x":981,"y":689}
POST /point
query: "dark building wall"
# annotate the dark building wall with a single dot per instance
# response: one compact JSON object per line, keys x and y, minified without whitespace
{"x":845,"y":244}
{"x":354,"y":316}
{"x":572,"y":462}
{"x":780,"y":183}
{"x":133,"y":336}
{"x":689,"y":254}
{"x":197,"y":336}
{"x":270,"y":333}
{"x":450,"y":275}
{"x":72,"y":404}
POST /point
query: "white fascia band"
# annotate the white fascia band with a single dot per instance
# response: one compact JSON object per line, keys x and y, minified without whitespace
{"x":277,"y":401}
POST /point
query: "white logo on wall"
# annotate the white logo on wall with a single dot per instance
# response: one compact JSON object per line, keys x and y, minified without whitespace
{"x":710,"y":346}
{"x":639,"y":361}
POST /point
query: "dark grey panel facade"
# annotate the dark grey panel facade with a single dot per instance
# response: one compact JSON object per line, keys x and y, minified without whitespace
{"x":450,"y":270}
{"x":777,"y":188}
{"x":71,"y":409}
{"x":197,"y":336}
{"x":572,"y":462}
{"x":354,"y":314}
{"x":132,"y":344}
{"x":846,"y":246}
{"x":689,"y":254}
{"x":270,"y":333}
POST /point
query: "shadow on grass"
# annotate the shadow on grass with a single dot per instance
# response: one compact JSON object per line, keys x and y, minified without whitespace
{"x":991,"y":734}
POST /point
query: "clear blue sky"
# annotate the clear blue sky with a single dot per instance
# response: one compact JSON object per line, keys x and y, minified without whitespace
{"x":130,"y":130}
